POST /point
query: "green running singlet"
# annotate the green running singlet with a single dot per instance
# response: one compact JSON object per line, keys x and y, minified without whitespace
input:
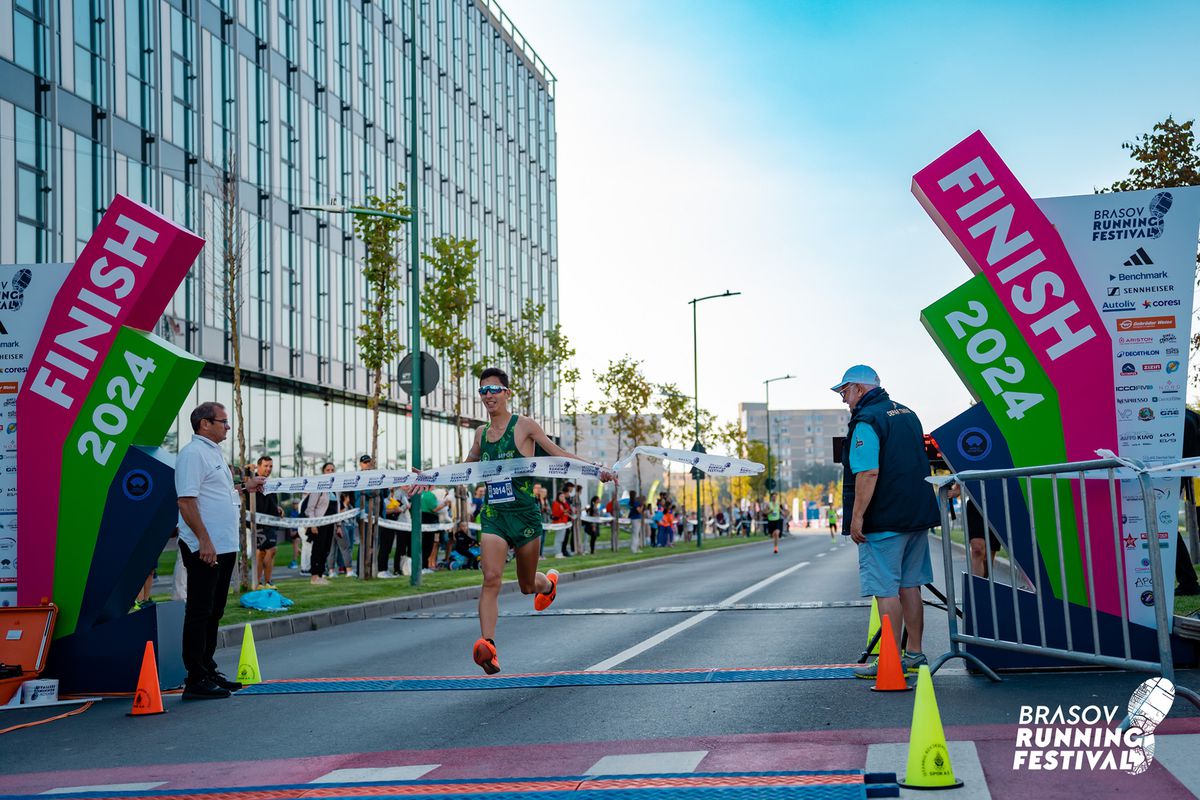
{"x":510,"y":510}
{"x":773,"y":514}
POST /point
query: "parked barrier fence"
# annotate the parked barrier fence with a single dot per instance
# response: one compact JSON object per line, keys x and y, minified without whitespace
{"x":1047,"y":579}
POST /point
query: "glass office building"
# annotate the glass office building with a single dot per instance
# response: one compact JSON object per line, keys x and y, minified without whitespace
{"x":307,"y":102}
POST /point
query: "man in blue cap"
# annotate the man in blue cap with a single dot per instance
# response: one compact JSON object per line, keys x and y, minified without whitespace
{"x":888,"y":507}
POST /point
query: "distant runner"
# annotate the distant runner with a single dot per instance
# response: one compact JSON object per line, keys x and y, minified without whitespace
{"x":775,"y":519}
{"x":510,"y":516}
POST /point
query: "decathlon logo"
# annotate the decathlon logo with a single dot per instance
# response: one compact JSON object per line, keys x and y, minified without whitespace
{"x":974,"y":444}
{"x":1089,"y":738}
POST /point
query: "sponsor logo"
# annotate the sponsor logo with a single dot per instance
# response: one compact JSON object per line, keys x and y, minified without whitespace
{"x":1167,"y":338}
{"x":590,"y":471}
{"x":461,"y":477}
{"x":719,"y":469}
{"x":560,"y":468}
{"x":1119,"y":305}
{"x":1135,"y":387}
{"x":1160,"y":303}
{"x":1167,"y":438}
{"x":12,"y":294}
{"x":1151,"y":289}
{"x":974,"y":444}
{"x":1145,"y":323}
{"x":1138,"y":354}
{"x":746,"y":471}
{"x":1147,"y":598}
{"x":1128,"y":518}
{"x":1172,"y":351}
{"x":1172,"y":366}
{"x":1140,"y":258}
{"x":376,"y":481}
{"x":1125,"y":413}
{"x":351,"y":483}
{"x":1113,"y":291}
{"x":1151,"y":367}
{"x":1128,"y":369}
{"x":1169,"y":412}
{"x":1130,"y":542}
{"x":528,"y":469}
{"x":1135,"y":400}
{"x":1112,"y":224}
{"x":1124,"y":340}
{"x":1142,"y":582}
{"x":1145,"y":413}
{"x":137,"y":484}
{"x":1169,"y":387}
{"x":323,"y":485}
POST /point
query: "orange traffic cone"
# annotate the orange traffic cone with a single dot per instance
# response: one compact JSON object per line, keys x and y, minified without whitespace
{"x":889,"y":677}
{"x":147,"y":699}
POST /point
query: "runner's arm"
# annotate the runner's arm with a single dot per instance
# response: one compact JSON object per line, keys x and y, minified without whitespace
{"x":539,"y":437}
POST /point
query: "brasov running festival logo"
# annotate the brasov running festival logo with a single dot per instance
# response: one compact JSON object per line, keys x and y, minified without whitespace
{"x":1093,"y":738}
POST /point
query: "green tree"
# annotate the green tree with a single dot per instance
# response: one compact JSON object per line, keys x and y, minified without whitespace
{"x":1168,"y":155}
{"x":446,"y":304}
{"x":626,"y":397}
{"x":732,"y":437}
{"x":757,"y":451}
{"x":675,"y":415}
{"x":378,"y":335}
{"x":531,"y":350}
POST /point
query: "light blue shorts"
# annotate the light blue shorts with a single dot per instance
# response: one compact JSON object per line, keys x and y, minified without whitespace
{"x":896,"y":561}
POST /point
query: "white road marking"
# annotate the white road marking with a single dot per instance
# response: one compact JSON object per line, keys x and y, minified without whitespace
{"x":963,"y":757}
{"x":1177,"y":752}
{"x":820,"y":555}
{"x":110,"y":787}
{"x":409,"y":773}
{"x":648,"y":763}
{"x":662,"y":636}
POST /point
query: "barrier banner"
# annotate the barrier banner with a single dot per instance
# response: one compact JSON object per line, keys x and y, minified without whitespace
{"x":26,"y":292}
{"x":1136,"y":255}
{"x":489,"y":471}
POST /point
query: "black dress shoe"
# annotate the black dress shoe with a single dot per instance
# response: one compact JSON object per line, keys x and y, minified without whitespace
{"x":1193,"y":589}
{"x":204,"y":689}
{"x":220,"y":680}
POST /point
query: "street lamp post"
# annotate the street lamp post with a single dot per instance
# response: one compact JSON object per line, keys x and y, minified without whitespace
{"x":696,"y":395}
{"x":771,"y":473}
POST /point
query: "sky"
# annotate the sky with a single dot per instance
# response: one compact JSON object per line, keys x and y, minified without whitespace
{"x":769,"y":147}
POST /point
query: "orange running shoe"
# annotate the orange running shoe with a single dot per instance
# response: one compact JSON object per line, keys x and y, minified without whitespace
{"x":542,"y":601}
{"x":485,"y":656}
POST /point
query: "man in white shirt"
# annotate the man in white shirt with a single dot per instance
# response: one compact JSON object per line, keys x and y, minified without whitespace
{"x":208,"y":544}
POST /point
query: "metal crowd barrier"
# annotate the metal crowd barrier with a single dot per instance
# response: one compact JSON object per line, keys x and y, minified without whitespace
{"x":1032,"y":639}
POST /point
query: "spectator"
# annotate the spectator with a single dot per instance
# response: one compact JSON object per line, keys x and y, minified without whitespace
{"x":477,"y":501}
{"x":268,"y":541}
{"x":636,"y":505}
{"x":592,"y":529}
{"x":560,"y":514}
{"x":370,"y":501}
{"x":320,"y":504}
{"x":890,"y":507}
{"x":393,"y":507}
{"x":344,"y":536}
{"x":431,"y":504}
{"x":464,"y":553}
{"x":208,"y":545}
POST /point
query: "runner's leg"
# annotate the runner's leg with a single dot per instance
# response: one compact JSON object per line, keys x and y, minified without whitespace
{"x":528,"y":578}
{"x":493,"y":552}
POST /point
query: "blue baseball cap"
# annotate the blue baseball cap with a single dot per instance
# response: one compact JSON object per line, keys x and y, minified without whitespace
{"x":859,"y":373}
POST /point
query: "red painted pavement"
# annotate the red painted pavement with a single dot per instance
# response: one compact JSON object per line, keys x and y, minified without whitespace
{"x":808,"y":750}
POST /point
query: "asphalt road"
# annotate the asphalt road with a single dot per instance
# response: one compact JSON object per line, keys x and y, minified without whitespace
{"x":809,"y":568}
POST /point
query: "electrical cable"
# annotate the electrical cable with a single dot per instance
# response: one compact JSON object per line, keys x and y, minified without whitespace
{"x":79,"y":710}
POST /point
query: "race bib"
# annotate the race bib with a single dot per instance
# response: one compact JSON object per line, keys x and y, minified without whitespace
{"x":500,"y":492}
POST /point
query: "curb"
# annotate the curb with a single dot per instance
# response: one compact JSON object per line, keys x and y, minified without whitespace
{"x":231,"y":635}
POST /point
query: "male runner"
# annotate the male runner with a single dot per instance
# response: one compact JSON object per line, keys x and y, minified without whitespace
{"x":511,"y":516}
{"x":775,"y":519}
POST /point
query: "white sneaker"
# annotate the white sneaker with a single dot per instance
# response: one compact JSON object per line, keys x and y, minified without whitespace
{"x":350,"y":573}
{"x":385,"y":574}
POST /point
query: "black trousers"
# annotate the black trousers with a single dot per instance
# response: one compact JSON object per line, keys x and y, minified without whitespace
{"x":1185,"y":575}
{"x":387,"y":538}
{"x":207,"y":591}
{"x":320,"y":549}
{"x":428,"y":537}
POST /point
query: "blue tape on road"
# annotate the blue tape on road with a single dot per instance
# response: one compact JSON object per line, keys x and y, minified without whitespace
{"x":560,"y":679}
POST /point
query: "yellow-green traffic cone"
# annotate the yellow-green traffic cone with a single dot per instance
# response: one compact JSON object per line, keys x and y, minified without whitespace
{"x":873,"y":629}
{"x":928,"y":758}
{"x":247,"y":672}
